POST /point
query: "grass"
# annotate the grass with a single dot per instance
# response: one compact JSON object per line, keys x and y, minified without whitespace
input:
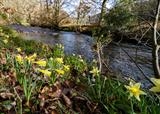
{"x":64,"y":85}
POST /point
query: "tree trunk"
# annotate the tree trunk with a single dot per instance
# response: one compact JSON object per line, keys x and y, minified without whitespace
{"x":156,"y":47}
{"x":79,"y":12}
{"x":102,"y":12}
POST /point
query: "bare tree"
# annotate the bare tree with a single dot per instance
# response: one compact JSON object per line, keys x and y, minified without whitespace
{"x":59,"y":14}
{"x":82,"y":12}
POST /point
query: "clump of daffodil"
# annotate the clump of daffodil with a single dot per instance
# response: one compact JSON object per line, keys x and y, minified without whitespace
{"x":59,"y":60}
{"x":59,"y":71}
{"x":45,"y":47}
{"x":156,"y":82}
{"x":5,"y":41}
{"x":19,"y":59}
{"x":18,"y":49}
{"x":41,"y":63}
{"x":60,"y":46}
{"x":66,"y":67}
{"x":45,"y":72}
{"x":31,"y":58}
{"x":95,"y":71}
{"x":134,"y":90}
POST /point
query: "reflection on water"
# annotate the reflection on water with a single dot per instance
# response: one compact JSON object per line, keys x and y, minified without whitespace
{"x":73,"y":43}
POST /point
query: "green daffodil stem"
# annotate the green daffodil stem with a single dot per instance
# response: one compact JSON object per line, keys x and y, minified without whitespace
{"x":132,"y":107}
{"x":27,"y":103}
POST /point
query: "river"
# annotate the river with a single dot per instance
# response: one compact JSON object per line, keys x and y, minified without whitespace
{"x":116,"y":56}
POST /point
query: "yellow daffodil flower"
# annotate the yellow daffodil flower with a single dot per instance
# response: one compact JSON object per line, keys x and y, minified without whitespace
{"x":6,"y":36}
{"x":94,"y":61}
{"x":19,"y":59}
{"x":51,"y":58}
{"x":45,"y":72}
{"x":59,"y":60}
{"x":66,"y":67}
{"x":31,"y":58}
{"x":18,"y":49}
{"x":60,"y":72}
{"x":156,"y":82}
{"x":95,"y":71}
{"x":81,"y":60}
{"x":134,"y":90}
{"x":41,"y":63}
{"x":5,"y":41}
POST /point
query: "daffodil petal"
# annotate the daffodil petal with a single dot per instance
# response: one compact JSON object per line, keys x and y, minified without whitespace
{"x":131,"y":83}
{"x":127,"y":87}
{"x":45,"y":72}
{"x":131,"y":95}
{"x":137,"y":97}
{"x":155,"y":89}
{"x":41,"y":63}
{"x":156,"y":81}
{"x":137,"y":85}
{"x":143,"y":93}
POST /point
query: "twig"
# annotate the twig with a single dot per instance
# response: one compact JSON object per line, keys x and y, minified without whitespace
{"x":149,"y":25}
{"x":144,"y":34}
{"x":17,"y":95}
{"x":106,"y":65}
{"x":20,"y":100}
{"x":99,"y":55}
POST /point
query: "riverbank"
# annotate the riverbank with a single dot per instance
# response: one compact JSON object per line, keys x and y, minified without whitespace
{"x":38,"y":78}
{"x":118,"y":61}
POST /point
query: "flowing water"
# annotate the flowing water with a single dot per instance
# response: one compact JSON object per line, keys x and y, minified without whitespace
{"x":75,"y":43}
{"x":130,"y":61}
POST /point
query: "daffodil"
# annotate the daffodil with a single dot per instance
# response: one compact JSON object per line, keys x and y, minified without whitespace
{"x":80,"y":56}
{"x":60,"y":46}
{"x":94,"y":61}
{"x":19,"y":59}
{"x":59,"y":60}
{"x":44,"y":46}
{"x":41,"y":63}
{"x":31,"y":58}
{"x":66,"y":67}
{"x":81,"y":60}
{"x":95,"y":71}
{"x":5,"y":41}
{"x":51,"y":58}
{"x":156,"y":82}
{"x":60,"y":72}
{"x":6,"y":36}
{"x":134,"y":90}
{"x":18,"y":49}
{"x":45,"y":72}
